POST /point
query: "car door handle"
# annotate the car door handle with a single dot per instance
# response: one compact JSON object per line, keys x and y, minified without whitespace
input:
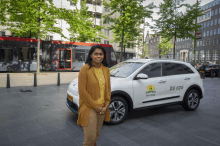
{"x":162,"y":81}
{"x":186,"y":78}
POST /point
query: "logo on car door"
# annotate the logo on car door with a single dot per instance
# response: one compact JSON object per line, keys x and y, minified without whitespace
{"x":150,"y":90}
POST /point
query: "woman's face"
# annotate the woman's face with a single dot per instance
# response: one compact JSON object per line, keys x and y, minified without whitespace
{"x":97,"y":56}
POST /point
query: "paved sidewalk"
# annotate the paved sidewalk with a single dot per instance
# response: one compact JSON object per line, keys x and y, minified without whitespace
{"x":41,"y":118}
{"x":44,"y":78}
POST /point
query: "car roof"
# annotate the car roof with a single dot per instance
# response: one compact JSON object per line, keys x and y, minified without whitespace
{"x":148,"y":60}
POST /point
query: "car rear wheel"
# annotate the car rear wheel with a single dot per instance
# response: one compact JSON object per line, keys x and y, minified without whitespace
{"x":118,"y":110}
{"x":191,"y":100}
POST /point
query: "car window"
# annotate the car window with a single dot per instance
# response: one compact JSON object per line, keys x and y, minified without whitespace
{"x":173,"y":69}
{"x":186,"y":70}
{"x":124,"y":69}
{"x":152,"y":70}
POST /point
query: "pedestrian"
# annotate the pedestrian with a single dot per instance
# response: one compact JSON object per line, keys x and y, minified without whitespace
{"x":94,"y":95}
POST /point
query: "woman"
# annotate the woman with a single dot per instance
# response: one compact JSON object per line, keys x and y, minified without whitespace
{"x":94,"y":95}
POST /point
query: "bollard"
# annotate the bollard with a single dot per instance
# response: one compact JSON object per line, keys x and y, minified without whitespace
{"x":58,"y":79}
{"x":8,"y":81}
{"x":211,"y":73}
{"x":35,"y":79}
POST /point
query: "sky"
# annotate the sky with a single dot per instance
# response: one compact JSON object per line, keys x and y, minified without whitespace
{"x":157,"y":2}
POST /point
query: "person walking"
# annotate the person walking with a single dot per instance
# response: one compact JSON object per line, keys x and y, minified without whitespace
{"x":94,"y":95}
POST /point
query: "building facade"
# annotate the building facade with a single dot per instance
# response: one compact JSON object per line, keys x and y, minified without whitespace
{"x":153,"y":50}
{"x":208,"y":47}
{"x":96,"y":8}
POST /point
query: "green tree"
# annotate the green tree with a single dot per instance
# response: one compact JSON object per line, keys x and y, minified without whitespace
{"x":132,"y":13}
{"x":145,"y":52}
{"x":82,"y":27}
{"x":164,"y":46}
{"x":37,"y":17}
{"x":174,"y":23}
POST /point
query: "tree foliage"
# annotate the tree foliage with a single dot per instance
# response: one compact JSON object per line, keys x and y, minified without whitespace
{"x":126,"y":26}
{"x":172,"y":19}
{"x":164,"y":46}
{"x":30,"y":16}
{"x":82,"y":27}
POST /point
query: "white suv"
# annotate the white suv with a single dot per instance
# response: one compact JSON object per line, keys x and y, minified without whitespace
{"x":147,"y":83}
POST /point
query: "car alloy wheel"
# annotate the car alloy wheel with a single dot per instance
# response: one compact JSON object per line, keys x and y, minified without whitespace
{"x":191,"y":100}
{"x":118,"y":110}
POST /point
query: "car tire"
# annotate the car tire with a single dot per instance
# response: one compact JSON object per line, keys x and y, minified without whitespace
{"x":118,"y":110}
{"x":191,"y":100}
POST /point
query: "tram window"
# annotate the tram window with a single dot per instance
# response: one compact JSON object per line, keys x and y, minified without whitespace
{"x":32,"y":54}
{"x":2,"y":54}
{"x":6,"y":54}
{"x":20,"y":54}
{"x":80,"y":57}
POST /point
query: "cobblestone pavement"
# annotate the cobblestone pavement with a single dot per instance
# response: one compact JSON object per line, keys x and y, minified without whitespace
{"x":41,"y":118}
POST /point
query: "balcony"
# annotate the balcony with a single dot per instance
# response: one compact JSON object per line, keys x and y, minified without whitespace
{"x":94,"y":8}
{"x":98,"y":21}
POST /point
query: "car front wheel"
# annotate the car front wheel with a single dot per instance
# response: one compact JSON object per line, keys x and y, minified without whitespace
{"x":118,"y":110}
{"x":191,"y":100}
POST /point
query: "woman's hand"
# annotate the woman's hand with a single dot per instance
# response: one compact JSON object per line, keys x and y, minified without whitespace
{"x":99,"y":109}
{"x":103,"y":110}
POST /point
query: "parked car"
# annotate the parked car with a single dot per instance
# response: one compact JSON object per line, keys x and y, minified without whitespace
{"x":147,"y":83}
{"x":208,"y":69}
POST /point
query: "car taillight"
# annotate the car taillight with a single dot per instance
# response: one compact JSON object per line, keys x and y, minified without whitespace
{"x":53,"y":61}
{"x":209,"y":68}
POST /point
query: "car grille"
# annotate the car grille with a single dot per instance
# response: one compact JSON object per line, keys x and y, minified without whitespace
{"x":72,"y":105}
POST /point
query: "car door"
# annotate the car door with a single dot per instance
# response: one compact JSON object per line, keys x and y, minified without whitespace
{"x":178,"y":78}
{"x":149,"y":91}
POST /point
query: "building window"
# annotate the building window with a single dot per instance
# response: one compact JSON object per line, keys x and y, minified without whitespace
{"x":211,"y":32}
{"x":215,"y":21}
{"x":107,"y":10}
{"x":215,"y":55}
{"x":216,"y":11}
{"x":214,"y":31}
{"x":107,"y":31}
{"x":208,"y":55}
{"x":204,"y":34}
{"x":210,"y":42}
{"x":218,"y":20}
{"x":218,"y":30}
{"x":106,"y":42}
{"x":208,"y":23}
{"x":207,"y":33}
{"x":201,"y":56}
{"x":2,"y":33}
{"x":204,"y":24}
{"x":107,"y":21}
{"x":203,"y":42}
{"x":200,"y":43}
{"x":212,"y":12}
{"x":49,"y":38}
{"x":72,"y":3}
{"x":211,"y":22}
{"x":214,"y":41}
{"x":207,"y":42}
{"x":197,"y":43}
{"x":201,"y":25}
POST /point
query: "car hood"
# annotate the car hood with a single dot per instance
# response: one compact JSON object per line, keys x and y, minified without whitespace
{"x":73,"y":86}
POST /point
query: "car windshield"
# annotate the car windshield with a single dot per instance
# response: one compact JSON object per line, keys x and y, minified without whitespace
{"x":124,"y":69}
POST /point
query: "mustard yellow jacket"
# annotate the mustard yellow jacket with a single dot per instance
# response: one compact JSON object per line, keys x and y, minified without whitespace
{"x":88,"y":86}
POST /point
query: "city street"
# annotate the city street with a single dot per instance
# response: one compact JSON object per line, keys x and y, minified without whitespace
{"x":40,"y":117}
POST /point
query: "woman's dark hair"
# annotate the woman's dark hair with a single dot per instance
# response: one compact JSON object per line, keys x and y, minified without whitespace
{"x":89,"y":59}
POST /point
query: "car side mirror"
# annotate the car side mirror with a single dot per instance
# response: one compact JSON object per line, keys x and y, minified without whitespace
{"x":141,"y":76}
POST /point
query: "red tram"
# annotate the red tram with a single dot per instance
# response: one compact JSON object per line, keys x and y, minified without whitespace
{"x":20,"y":54}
